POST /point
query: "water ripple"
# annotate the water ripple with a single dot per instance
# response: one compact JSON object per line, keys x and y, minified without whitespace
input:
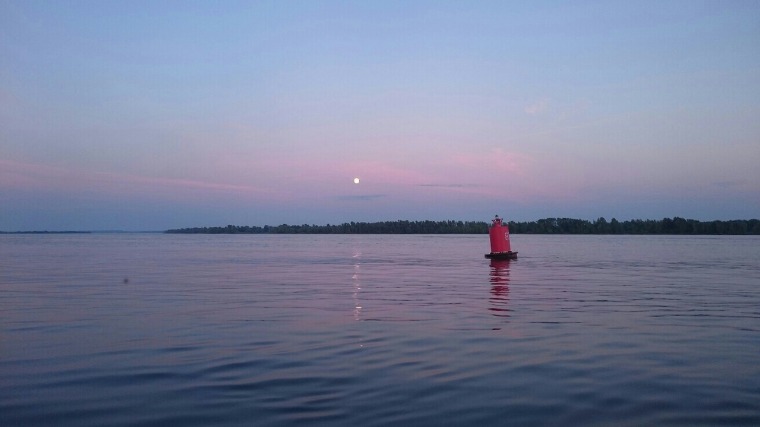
{"x":378,"y":330}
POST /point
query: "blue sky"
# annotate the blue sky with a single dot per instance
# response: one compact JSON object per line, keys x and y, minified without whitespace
{"x":155,"y":115}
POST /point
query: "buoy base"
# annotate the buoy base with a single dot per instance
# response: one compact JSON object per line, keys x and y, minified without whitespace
{"x":502,"y":255}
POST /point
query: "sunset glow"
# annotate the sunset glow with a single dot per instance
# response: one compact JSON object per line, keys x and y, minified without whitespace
{"x":115,"y":115}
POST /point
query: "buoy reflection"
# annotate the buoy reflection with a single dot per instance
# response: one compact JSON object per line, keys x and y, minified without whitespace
{"x":499,"y":277}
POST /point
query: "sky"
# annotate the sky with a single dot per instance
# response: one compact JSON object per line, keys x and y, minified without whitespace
{"x":145,"y":115}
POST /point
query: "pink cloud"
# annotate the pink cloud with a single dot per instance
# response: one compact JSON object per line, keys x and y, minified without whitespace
{"x":537,"y":107}
{"x":39,"y":177}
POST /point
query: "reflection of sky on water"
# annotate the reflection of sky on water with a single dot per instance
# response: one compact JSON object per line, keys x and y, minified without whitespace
{"x":229,"y":318}
{"x":499,"y":278}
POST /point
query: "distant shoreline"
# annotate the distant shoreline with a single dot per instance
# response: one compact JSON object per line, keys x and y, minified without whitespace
{"x":667,"y":226}
{"x":45,"y":232}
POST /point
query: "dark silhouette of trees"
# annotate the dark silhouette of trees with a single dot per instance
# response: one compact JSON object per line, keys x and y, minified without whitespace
{"x":675,"y":225}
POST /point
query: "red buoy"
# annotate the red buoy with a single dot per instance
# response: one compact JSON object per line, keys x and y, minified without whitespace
{"x":500,"y":246}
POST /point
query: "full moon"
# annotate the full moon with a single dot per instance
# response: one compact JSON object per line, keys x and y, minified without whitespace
{"x":356,"y":180}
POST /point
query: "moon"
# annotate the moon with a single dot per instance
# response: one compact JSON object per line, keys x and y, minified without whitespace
{"x":356,"y":180}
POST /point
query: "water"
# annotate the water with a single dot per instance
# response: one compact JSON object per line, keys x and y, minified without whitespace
{"x":151,"y":329}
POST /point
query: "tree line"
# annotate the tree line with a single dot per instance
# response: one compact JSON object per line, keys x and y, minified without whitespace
{"x":384,"y":227}
{"x":675,"y":225}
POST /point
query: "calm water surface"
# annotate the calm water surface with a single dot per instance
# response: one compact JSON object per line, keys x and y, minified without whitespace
{"x":152,"y":329}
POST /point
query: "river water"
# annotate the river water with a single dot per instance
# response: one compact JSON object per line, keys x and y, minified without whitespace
{"x":154,"y":329}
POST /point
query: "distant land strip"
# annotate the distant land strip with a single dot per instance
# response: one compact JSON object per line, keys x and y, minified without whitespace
{"x":45,"y":232}
{"x":673,"y":225}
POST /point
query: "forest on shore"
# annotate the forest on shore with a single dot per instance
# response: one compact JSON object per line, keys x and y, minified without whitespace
{"x":674,"y":225}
